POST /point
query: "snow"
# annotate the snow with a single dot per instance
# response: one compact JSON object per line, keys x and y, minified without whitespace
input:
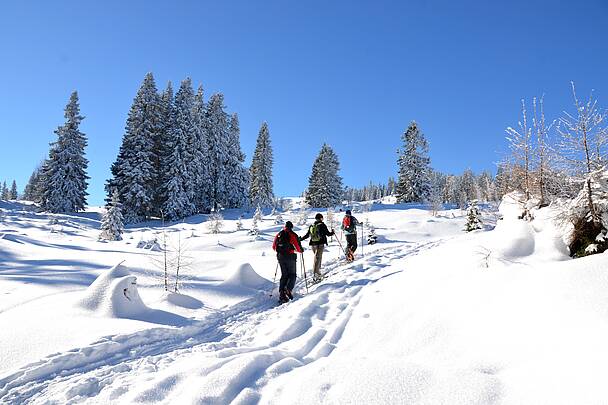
{"x":428,"y":315}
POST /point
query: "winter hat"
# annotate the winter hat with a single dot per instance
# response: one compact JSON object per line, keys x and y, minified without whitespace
{"x":288,"y":225}
{"x":319,"y":216}
{"x":347,"y":212}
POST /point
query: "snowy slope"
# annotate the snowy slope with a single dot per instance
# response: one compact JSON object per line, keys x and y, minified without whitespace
{"x":430,"y":315}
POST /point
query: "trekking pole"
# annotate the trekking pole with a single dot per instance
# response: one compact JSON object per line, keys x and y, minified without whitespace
{"x":274,"y":278}
{"x":304,"y":271}
{"x":341,"y":248}
{"x":362,"y":234}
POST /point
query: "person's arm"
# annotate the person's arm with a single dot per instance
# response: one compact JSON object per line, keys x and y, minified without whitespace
{"x":295,"y":241}
{"x":274,"y":243}
{"x":305,"y":236}
{"x":327,"y":232}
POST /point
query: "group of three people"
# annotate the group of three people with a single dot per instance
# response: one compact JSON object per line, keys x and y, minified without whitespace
{"x":287,"y":243}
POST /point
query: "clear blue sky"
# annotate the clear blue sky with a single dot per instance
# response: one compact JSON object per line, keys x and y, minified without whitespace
{"x":349,"y":73}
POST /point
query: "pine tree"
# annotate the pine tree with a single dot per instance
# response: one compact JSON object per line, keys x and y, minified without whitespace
{"x":65,"y":170}
{"x":325,"y":184}
{"x":202,"y":200}
{"x":179,"y":180}
{"x":413,"y":183}
{"x":260,"y":188}
{"x":237,"y":177}
{"x":217,"y":144}
{"x":112,"y":222}
{"x":13,"y":194}
{"x":133,"y":171}
{"x":33,"y":188}
{"x":257,"y":217}
{"x":4,"y":191}
{"x":162,"y":148}
{"x":473,"y":217}
{"x":216,"y":223}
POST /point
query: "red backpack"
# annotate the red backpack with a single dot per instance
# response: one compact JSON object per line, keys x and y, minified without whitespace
{"x":347,"y":224}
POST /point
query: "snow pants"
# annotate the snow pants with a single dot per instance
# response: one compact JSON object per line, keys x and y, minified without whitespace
{"x":351,"y":242}
{"x":318,"y":252}
{"x":288,"y":271}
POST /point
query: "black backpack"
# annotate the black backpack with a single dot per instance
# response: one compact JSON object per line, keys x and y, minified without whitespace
{"x":283,"y":243}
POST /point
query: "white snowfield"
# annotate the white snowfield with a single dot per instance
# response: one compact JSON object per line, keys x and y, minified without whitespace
{"x":428,"y":315}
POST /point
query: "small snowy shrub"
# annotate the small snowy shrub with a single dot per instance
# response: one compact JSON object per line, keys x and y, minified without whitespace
{"x":278,"y":220}
{"x":372,"y":238}
{"x":215,"y":223}
{"x":112,"y":225}
{"x":239,"y":224}
{"x":473,"y":217}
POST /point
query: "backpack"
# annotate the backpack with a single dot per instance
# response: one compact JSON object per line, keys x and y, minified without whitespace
{"x":348,"y":224}
{"x":283,"y":243}
{"x":315,"y":234}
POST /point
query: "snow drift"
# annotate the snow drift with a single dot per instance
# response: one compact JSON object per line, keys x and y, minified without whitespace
{"x":245,"y":276}
{"x":114,"y":293}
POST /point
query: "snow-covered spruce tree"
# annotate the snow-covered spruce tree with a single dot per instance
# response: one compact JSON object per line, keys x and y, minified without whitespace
{"x":215,"y":223}
{"x":162,"y":148}
{"x":325,"y":184}
{"x":112,"y":222}
{"x":178,"y":182}
{"x":65,"y":171}
{"x":4,"y":191}
{"x":435,"y":198}
{"x":257,"y":217}
{"x":13,"y":194}
{"x":260,"y":186}
{"x":237,"y":177}
{"x":217,"y":146}
{"x":239,"y":223}
{"x":133,"y":171}
{"x":372,"y":238}
{"x":473,"y":217}
{"x":202,"y":200}
{"x":413,"y":182}
{"x":33,"y":188}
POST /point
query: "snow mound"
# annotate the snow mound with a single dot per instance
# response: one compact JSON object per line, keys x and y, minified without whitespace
{"x":182,"y":300}
{"x":245,"y":276}
{"x":512,"y":205}
{"x":151,"y":245}
{"x":514,"y":238}
{"x":114,"y":293}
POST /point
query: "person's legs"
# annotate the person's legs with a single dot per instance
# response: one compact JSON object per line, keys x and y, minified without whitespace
{"x":291,"y":275}
{"x":318,"y":251}
{"x":284,"y":263}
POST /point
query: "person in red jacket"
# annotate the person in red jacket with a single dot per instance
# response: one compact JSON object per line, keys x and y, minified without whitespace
{"x":286,"y":243}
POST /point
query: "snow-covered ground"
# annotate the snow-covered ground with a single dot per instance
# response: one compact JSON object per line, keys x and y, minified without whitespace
{"x":429,"y":315}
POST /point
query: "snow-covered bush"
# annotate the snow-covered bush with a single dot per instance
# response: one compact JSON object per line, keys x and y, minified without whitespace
{"x":278,"y":220}
{"x":587,"y":231}
{"x":239,"y":224}
{"x":473,"y":217}
{"x":215,"y":223}
{"x":372,"y":238}
{"x":112,"y":223}
{"x":303,"y":217}
{"x":255,"y":231}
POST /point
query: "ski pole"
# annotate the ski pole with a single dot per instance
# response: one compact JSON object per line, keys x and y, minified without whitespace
{"x":362,"y":234}
{"x":341,"y":248}
{"x":304,"y":271}
{"x":274,"y":278}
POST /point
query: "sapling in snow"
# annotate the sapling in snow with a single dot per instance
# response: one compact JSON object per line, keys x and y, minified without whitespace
{"x":239,"y":223}
{"x":473,"y":217}
{"x":215,"y":223}
{"x":112,"y":223}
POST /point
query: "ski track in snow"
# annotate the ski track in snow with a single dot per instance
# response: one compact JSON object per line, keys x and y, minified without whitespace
{"x":226,"y":343}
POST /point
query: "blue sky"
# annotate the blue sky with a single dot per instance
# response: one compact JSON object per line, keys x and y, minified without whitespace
{"x":349,"y":73}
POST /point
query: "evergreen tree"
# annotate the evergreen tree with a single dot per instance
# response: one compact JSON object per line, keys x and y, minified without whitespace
{"x":413,"y":183}
{"x":473,"y":217}
{"x":237,"y":177}
{"x":217,"y":145}
{"x":179,"y":179}
{"x":34,"y":186}
{"x":325,"y":184}
{"x":162,"y":148}
{"x":112,"y":222}
{"x":13,"y":193}
{"x":260,"y":188}
{"x":65,"y":171}
{"x":202,"y":200}
{"x":133,"y":171}
{"x":4,"y":191}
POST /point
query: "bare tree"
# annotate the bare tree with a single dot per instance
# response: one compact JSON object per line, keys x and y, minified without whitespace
{"x":584,"y":136}
{"x":541,"y":131}
{"x":520,"y":142}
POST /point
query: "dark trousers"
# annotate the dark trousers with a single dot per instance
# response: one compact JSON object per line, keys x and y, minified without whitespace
{"x":288,"y":271}
{"x":351,"y":242}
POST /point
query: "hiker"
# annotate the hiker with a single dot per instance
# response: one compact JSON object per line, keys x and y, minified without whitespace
{"x":286,"y":243}
{"x":349,"y":226}
{"x":318,"y":234}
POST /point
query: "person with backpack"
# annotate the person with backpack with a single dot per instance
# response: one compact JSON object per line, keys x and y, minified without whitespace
{"x":318,"y":234}
{"x":349,"y":226}
{"x":286,"y":244}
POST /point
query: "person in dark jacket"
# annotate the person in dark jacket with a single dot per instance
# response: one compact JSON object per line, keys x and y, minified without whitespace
{"x":349,"y":226}
{"x":318,"y":234}
{"x":286,"y":243}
